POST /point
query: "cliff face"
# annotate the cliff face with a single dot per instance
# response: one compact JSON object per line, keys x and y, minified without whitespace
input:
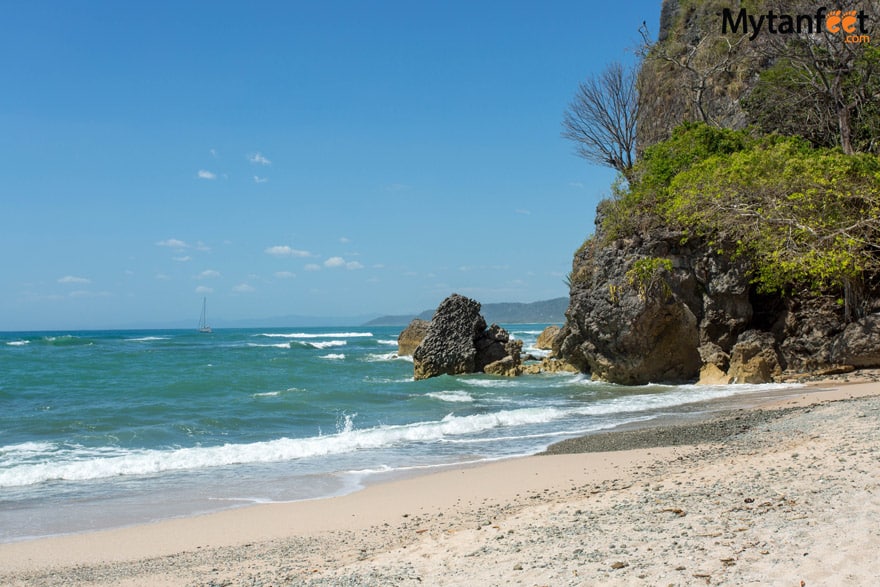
{"x":697,"y":313}
{"x":694,"y":74}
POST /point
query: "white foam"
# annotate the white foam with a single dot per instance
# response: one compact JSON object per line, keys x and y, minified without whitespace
{"x":451,"y":396}
{"x":327,"y":344}
{"x":388,"y":342}
{"x":485,"y":382}
{"x":334,"y":356}
{"x":379,"y":357}
{"x":34,"y":462}
{"x":148,"y":338}
{"x":279,"y":345}
{"x":317,"y":335}
{"x":268,"y":394}
{"x":24,"y":342}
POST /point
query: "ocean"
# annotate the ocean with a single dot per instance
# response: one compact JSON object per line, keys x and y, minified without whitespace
{"x":103,"y":429}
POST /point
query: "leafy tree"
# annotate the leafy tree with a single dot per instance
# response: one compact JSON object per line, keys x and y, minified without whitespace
{"x":601,"y":120}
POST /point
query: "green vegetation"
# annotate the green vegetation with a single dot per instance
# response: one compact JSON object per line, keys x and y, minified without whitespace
{"x":805,"y":218}
{"x":648,"y":275}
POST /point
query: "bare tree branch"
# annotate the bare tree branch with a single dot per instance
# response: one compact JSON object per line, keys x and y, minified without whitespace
{"x":602,"y":118}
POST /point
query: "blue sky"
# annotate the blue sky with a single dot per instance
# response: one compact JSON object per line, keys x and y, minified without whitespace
{"x":312,"y":158}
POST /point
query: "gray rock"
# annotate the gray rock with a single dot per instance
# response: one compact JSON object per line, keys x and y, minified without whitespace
{"x":859,"y":344}
{"x":458,"y":342}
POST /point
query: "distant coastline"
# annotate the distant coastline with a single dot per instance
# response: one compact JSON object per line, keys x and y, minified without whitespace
{"x":541,"y":312}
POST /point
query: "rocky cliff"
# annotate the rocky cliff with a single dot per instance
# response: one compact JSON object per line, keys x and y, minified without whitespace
{"x":659,"y":301}
{"x":657,"y":307}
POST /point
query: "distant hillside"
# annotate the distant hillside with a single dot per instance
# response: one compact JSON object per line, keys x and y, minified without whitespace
{"x":543,"y":312}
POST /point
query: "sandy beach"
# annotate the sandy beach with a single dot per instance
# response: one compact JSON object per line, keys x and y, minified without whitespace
{"x":787,"y":493}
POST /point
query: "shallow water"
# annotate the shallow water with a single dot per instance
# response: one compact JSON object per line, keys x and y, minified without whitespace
{"x":103,"y":429}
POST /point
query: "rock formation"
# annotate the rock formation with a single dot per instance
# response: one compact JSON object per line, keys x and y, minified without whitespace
{"x":411,"y":336}
{"x":701,"y":319}
{"x":457,"y":342}
{"x":545,"y":339}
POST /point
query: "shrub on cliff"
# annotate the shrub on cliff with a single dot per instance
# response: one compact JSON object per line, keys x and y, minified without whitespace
{"x":805,"y":218}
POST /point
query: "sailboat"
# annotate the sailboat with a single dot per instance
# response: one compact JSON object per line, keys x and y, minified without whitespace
{"x":203,"y":321}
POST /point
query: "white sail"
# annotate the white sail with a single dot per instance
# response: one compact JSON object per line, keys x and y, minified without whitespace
{"x":203,"y":321}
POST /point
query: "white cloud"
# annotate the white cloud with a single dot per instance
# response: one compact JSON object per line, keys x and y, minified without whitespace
{"x":344,"y":240}
{"x":204,"y":289}
{"x":312,"y":267}
{"x":334,"y":262}
{"x":163,"y":277}
{"x":523,"y":211}
{"x":243,"y":288}
{"x":205,"y":174}
{"x":73,"y":279}
{"x":258,"y":179}
{"x":174,"y":243}
{"x":208,"y":274}
{"x":183,"y":259}
{"x":284,"y":275}
{"x":258,"y":159}
{"x":285,"y":251}
{"x":213,"y":153}
{"x":200,"y":246}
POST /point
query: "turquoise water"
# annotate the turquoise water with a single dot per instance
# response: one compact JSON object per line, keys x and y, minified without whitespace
{"x":101,"y":429}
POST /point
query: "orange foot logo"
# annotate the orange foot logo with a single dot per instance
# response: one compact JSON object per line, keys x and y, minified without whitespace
{"x":849,"y":21}
{"x":837,"y":19}
{"x":832,"y":21}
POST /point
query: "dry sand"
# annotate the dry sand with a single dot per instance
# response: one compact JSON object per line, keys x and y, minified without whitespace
{"x":786,"y":495}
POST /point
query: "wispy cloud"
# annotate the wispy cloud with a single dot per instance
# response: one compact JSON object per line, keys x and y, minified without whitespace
{"x":205,"y":174}
{"x":208,"y":274}
{"x":174,"y":243}
{"x":344,"y":240}
{"x":258,"y":159}
{"x":286,"y":251}
{"x":243,"y":288}
{"x":284,"y":275}
{"x":353,"y":265}
{"x":182,"y":259}
{"x":202,"y":289}
{"x":81,"y":293}
{"x":213,"y":153}
{"x":398,"y":187}
{"x":68,"y":279}
{"x":523,"y":211}
{"x":312,"y":267}
{"x":258,"y":179}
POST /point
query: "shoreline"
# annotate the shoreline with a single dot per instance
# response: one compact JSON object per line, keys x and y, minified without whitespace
{"x":390,"y":520}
